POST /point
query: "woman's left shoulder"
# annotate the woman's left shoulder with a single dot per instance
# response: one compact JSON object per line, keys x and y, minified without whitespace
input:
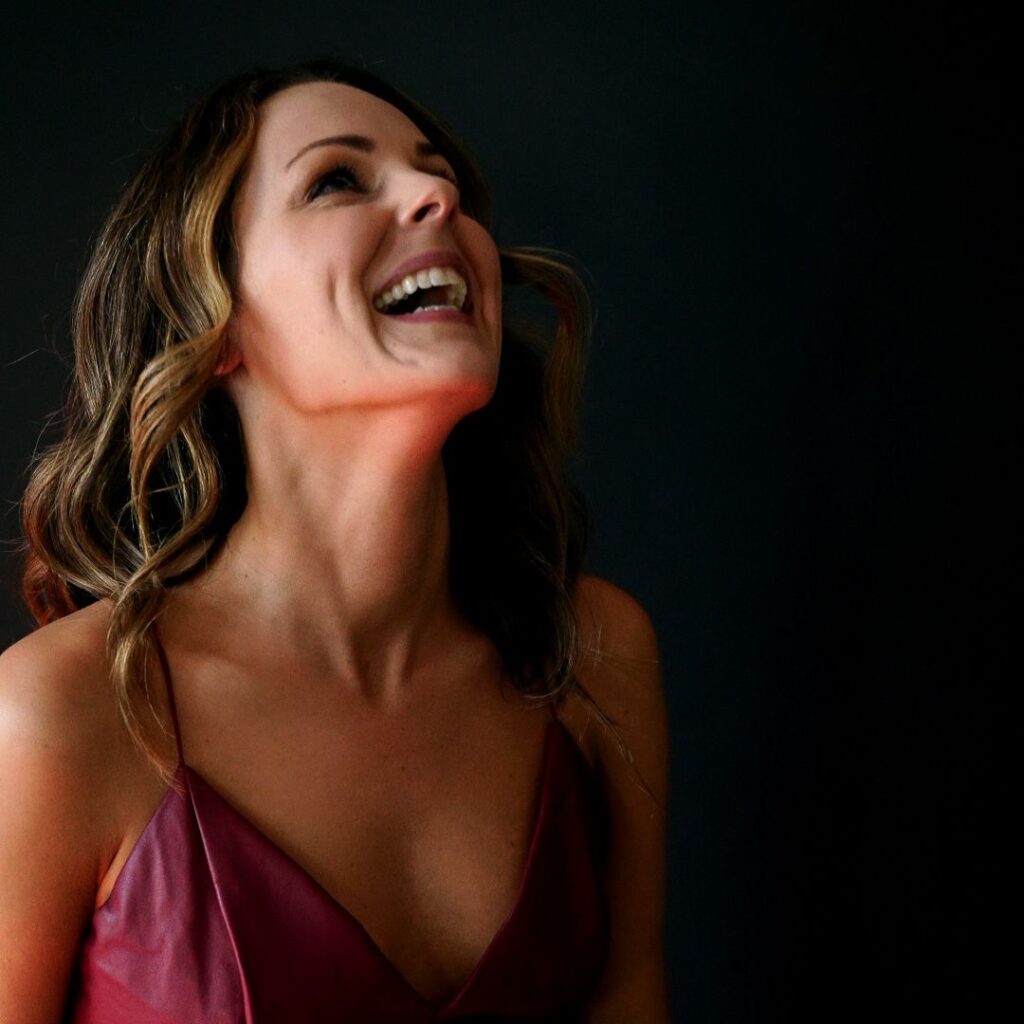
{"x":620,"y":669}
{"x":613,"y":621}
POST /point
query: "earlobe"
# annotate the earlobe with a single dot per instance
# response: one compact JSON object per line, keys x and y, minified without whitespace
{"x":231,"y":358}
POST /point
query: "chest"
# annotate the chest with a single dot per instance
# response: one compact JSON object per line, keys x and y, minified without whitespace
{"x":212,"y":921}
{"x":419,"y":826}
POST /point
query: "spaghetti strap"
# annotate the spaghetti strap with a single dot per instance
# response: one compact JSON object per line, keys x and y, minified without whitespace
{"x":170,"y":692}
{"x":552,"y":712}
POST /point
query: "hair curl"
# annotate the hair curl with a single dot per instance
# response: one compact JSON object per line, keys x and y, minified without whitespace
{"x":150,"y":473}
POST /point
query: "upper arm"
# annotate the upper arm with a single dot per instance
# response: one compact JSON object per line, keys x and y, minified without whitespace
{"x":49,"y":838}
{"x":621,"y":672}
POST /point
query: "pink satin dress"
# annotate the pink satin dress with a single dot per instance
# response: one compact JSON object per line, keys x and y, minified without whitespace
{"x":210,"y":922}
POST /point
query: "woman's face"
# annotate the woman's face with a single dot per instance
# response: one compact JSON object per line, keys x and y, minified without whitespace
{"x":317,"y":244}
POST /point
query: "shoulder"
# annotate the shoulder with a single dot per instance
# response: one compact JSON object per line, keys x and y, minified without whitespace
{"x":54,"y":832}
{"x":619,"y":667}
{"x":62,"y":743}
{"x":52,"y":680}
{"x":613,"y":623}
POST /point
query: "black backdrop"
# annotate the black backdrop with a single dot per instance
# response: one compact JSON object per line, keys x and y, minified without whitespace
{"x":783,"y":213}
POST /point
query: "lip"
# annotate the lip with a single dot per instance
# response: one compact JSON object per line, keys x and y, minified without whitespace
{"x":455,"y":316}
{"x":431,"y":258}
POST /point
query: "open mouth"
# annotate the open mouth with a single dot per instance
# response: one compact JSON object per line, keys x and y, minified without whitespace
{"x":435,"y":289}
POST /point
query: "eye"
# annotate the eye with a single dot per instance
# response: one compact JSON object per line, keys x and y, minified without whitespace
{"x":341,"y":176}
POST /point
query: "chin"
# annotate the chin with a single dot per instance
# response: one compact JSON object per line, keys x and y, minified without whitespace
{"x":472,"y":375}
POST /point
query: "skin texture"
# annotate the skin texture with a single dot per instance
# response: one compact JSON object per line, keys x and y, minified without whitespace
{"x":326,"y":684}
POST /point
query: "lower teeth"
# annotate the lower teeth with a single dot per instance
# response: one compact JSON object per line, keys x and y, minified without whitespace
{"x":430,"y":309}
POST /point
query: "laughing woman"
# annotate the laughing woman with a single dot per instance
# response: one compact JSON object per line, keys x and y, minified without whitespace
{"x":323,"y":719}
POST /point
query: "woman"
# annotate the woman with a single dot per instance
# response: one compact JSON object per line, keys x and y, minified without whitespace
{"x":306,"y":732}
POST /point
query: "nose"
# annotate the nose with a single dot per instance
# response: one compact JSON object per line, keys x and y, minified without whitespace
{"x":428,"y":198}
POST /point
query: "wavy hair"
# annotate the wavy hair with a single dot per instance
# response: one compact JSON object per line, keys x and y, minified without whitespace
{"x":149,"y":475}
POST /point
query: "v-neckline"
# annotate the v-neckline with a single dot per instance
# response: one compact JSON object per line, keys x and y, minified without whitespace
{"x":542,"y":801}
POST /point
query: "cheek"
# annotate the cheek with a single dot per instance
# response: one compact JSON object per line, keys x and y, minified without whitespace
{"x":273,"y":275}
{"x":301,"y":285}
{"x":484,"y":252}
{"x":479,"y":238}
{"x":295,"y":319}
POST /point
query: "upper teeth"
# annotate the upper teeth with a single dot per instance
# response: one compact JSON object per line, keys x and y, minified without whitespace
{"x":432,"y":277}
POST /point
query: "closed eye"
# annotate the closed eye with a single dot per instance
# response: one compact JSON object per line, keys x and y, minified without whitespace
{"x":341,"y":175}
{"x":345,"y":176}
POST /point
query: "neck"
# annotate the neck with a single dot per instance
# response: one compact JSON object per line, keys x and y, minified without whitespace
{"x":342,"y":549}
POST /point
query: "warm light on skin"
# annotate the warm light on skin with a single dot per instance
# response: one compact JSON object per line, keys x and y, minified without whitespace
{"x":304,"y":328}
{"x":343,"y":544}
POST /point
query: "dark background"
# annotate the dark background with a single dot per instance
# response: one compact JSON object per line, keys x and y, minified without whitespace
{"x":786,"y":213}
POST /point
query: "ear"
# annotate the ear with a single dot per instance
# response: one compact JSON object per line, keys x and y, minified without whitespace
{"x":232,"y":354}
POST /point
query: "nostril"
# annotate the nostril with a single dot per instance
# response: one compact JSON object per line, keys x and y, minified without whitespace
{"x":424,"y":211}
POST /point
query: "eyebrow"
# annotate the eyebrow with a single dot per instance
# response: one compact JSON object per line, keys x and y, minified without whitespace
{"x":361,"y":143}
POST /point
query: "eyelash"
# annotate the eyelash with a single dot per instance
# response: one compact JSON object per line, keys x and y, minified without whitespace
{"x":353,"y":175}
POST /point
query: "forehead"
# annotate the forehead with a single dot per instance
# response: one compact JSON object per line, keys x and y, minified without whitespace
{"x":301,"y":114}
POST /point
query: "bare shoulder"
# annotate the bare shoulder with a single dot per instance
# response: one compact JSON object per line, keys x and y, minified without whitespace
{"x":59,"y":725}
{"x":57,"y":708}
{"x":55,"y":728}
{"x":615,"y":625}
{"x":52,"y":681}
{"x":620,"y":669}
